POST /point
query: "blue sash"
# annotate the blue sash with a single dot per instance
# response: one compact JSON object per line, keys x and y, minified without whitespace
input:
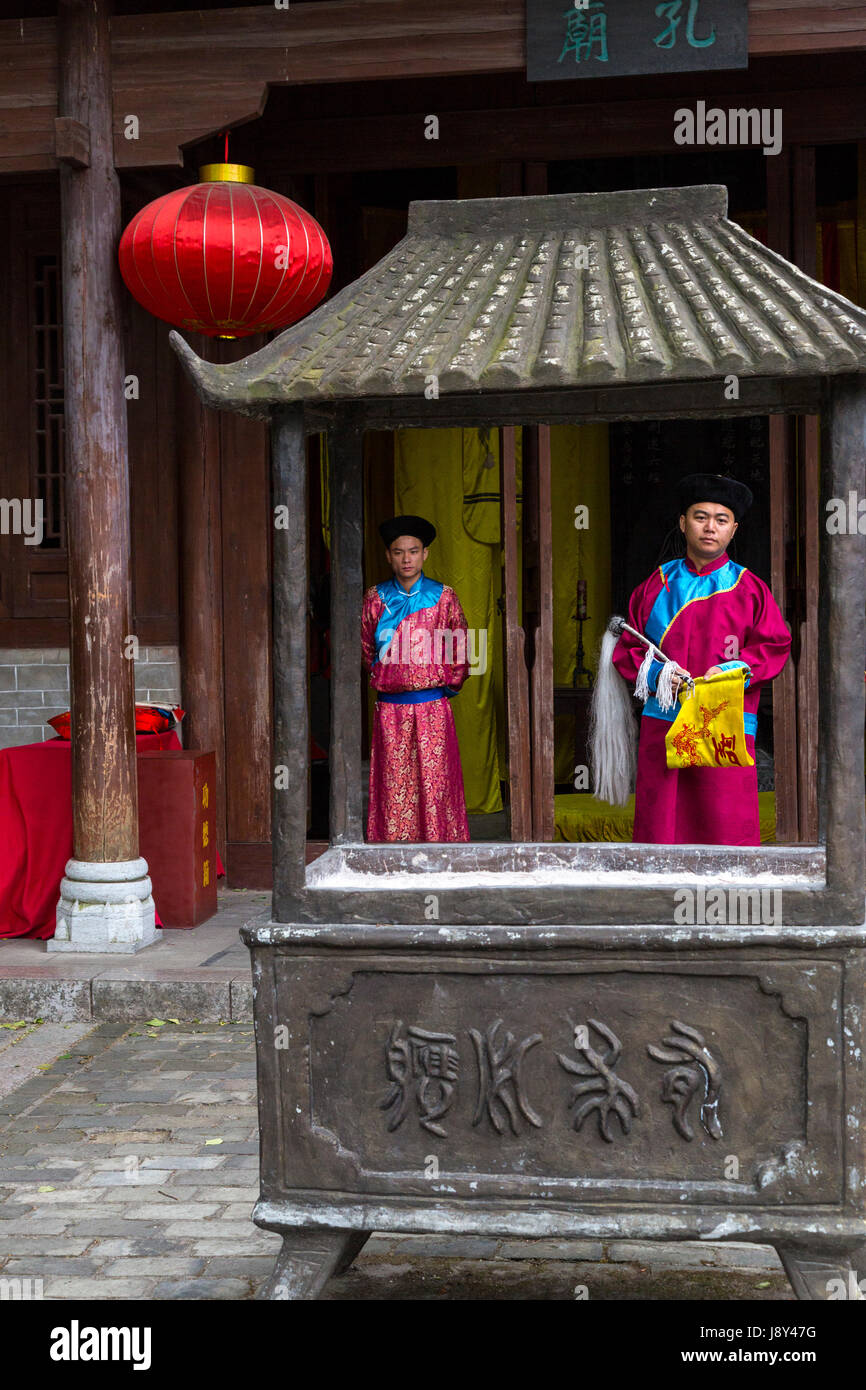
{"x":418,"y":697}
{"x":399,"y":603}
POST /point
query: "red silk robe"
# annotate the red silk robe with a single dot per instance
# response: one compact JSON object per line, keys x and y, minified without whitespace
{"x":697,"y":618}
{"x":416,"y":781}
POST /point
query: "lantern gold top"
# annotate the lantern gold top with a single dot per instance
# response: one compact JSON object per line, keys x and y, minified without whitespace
{"x":226,"y":173}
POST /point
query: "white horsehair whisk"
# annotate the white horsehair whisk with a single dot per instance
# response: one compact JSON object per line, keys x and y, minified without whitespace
{"x":613,"y":728}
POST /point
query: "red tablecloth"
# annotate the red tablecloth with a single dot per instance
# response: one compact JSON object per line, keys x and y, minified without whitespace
{"x":36,"y":830}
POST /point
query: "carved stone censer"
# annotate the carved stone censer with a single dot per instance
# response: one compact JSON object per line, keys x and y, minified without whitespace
{"x":613,"y":1040}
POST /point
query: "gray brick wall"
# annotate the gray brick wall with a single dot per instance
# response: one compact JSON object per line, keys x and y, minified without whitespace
{"x":34,"y":686}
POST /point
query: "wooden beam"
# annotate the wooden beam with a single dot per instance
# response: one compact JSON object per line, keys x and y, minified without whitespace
{"x":290,"y":658}
{"x":72,"y":142}
{"x":611,"y":128}
{"x":186,"y":75}
{"x":346,"y":462}
{"x":104,"y":782}
{"x":842,"y":643}
{"x":660,"y":401}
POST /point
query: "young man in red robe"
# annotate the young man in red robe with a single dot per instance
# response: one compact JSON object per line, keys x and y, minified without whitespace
{"x":414,"y":644}
{"x":707,"y":614}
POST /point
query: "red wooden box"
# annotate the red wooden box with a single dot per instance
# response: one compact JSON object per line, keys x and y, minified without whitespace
{"x":176,"y":833}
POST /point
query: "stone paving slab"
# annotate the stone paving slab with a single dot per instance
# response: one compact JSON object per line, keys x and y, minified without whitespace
{"x":200,"y":974}
{"x":115,"y":1184}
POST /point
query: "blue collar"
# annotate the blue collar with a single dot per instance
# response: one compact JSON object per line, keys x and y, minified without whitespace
{"x":398,"y":603}
{"x":682,"y":585}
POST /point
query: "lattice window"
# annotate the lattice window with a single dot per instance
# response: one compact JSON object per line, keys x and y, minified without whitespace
{"x":48,"y":454}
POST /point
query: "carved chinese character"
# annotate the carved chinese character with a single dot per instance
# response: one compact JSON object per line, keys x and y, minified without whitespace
{"x":585,"y":33}
{"x":695,"y":1068}
{"x":670,"y":10}
{"x":500,"y":1083}
{"x":607,"y":1093}
{"x":423,"y":1066}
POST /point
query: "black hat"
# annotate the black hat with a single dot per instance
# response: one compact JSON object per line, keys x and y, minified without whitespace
{"x":713,"y":487}
{"x":407,"y":526}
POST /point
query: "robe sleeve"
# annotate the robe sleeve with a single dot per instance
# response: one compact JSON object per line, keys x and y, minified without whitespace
{"x":628,"y":654}
{"x":768,"y":641}
{"x":370,"y":611}
{"x":455,"y":672}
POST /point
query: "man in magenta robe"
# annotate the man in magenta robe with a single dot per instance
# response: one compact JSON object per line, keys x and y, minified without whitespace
{"x":414,"y":644}
{"x":707,"y":614}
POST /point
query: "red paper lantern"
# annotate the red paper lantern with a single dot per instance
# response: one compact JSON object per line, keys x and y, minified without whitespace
{"x":225,"y":257}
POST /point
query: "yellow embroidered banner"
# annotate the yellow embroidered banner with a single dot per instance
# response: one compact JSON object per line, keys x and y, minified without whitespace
{"x":709,"y":729}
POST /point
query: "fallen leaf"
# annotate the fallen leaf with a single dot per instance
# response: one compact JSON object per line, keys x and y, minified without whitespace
{"x":155,"y":1023}
{"x":174,"y":1020}
{"x":765,"y":1285}
{"x":46,"y":1188}
{"x":22,"y":1024}
{"x":213,"y":1141}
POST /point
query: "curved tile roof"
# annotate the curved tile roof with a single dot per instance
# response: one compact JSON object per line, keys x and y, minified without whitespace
{"x":570,"y":290}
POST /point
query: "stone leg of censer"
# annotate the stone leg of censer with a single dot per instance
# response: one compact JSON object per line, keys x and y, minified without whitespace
{"x":308,"y":1259}
{"x":817,"y":1271}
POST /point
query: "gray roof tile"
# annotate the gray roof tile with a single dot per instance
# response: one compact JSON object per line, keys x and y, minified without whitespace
{"x":490,"y":294}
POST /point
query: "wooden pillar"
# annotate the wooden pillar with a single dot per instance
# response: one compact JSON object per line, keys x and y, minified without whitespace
{"x":781,"y":451}
{"x":291,"y":665}
{"x":543,"y":807}
{"x":843,"y":641}
{"x":804,"y":255}
{"x":105,"y":902}
{"x":346,"y":461}
{"x":97,"y":483}
{"x":514,"y":646}
{"x":201,"y":612}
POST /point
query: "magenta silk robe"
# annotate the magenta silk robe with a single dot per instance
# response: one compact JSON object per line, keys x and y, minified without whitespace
{"x":693,"y":616}
{"x":416,"y":781}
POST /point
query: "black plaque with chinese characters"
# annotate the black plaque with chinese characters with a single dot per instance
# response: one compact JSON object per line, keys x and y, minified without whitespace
{"x":613,"y":38}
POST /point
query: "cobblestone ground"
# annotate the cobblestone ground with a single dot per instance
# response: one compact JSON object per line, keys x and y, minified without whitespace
{"x":129,"y":1168}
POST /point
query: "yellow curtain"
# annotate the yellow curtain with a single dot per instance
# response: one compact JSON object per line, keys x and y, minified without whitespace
{"x":431,"y":469}
{"x":452,"y":477}
{"x":579,"y":467}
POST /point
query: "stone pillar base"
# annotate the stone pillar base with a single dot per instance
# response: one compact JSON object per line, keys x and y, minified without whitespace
{"x":105,"y":908}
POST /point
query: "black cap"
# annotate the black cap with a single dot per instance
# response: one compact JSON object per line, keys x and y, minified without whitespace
{"x":714,"y":487}
{"x":407,"y":526}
